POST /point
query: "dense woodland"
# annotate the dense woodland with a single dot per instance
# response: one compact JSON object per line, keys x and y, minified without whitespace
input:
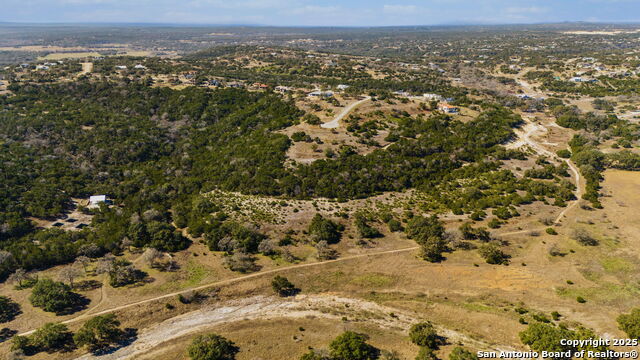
{"x":154,"y":150}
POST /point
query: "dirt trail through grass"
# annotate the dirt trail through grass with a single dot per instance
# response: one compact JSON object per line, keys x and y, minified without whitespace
{"x":263,"y":308}
{"x":525,"y":138}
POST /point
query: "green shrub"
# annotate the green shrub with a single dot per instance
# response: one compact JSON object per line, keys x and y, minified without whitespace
{"x":212,"y":347}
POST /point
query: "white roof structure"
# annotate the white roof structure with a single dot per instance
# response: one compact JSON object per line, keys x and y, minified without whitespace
{"x":96,"y":199}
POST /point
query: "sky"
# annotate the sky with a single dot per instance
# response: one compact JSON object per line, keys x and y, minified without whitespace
{"x":319,"y":13}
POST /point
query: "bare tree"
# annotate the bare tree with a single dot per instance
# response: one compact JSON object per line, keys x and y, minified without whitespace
{"x":267,"y":247}
{"x":126,"y":243}
{"x":325,"y":252}
{"x":105,"y":264}
{"x":241,"y":262}
{"x":151,"y":255}
{"x":89,"y":250}
{"x":18,"y":276}
{"x":69,"y":273}
{"x":5,"y":257}
{"x":83,"y":261}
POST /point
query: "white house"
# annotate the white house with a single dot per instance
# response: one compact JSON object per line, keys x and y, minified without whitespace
{"x":319,"y":93}
{"x":430,"y":97}
{"x":140,"y":67}
{"x":121,"y":67}
{"x":342,"y":87}
{"x":96,"y":200}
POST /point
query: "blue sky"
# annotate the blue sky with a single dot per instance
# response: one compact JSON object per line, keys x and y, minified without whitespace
{"x":324,"y":13}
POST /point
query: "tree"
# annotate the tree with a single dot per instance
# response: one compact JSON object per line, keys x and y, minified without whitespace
{"x":322,"y":229}
{"x":22,"y":344}
{"x":89,"y":250}
{"x":99,"y":333}
{"x":84,"y":261}
{"x":630,"y":323}
{"x":151,"y":255}
{"x":212,"y":347}
{"x":584,"y":237}
{"x":315,"y":355}
{"x":426,"y":353}
{"x":51,"y":336}
{"x":460,"y":353}
{"x":432,"y":249}
{"x":9,"y":309}
{"x":105,"y":264}
{"x":241,"y":262}
{"x":493,"y":255}
{"x":424,"y":334}
{"x":364,"y":229}
{"x":545,"y":337}
{"x":124,"y":273}
{"x":18,"y":276}
{"x":53,"y":296}
{"x":352,"y":346}
{"x":7,"y":262}
{"x":282,"y":286}
{"x":325,"y":252}
{"x":421,"y":228}
{"x":68,"y":274}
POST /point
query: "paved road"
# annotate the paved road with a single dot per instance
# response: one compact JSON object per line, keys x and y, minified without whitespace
{"x":336,"y":122}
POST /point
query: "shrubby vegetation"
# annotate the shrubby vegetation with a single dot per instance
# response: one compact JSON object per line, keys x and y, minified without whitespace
{"x":630,"y":323}
{"x":99,"y":333}
{"x":54,"y":296}
{"x":546,"y":337}
{"x":9,"y":309}
{"x":212,"y":347}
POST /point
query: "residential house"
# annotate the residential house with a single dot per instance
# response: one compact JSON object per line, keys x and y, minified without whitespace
{"x":96,"y":200}
{"x":448,"y":109}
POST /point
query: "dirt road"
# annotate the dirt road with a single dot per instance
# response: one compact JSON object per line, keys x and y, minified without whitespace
{"x":336,"y":121}
{"x":262,"y":307}
{"x":525,"y":138}
{"x":87,"y":315}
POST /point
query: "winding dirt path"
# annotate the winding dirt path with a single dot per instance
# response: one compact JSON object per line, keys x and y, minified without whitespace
{"x":261,"y":307}
{"x":336,"y":121}
{"x":87,"y":315}
{"x":525,"y":138}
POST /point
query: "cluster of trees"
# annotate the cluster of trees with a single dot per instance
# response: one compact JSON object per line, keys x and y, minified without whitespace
{"x":170,"y":146}
{"x":9,"y":309}
{"x":429,"y":233}
{"x":351,"y":345}
{"x":541,"y":336}
{"x":283,"y":287}
{"x":97,"y":334}
{"x":55,"y":297}
{"x":425,"y":336}
{"x":571,"y":117}
{"x":630,"y":323}
{"x":591,"y":162}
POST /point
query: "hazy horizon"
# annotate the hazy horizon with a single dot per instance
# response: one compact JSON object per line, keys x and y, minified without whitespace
{"x":330,"y":13}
